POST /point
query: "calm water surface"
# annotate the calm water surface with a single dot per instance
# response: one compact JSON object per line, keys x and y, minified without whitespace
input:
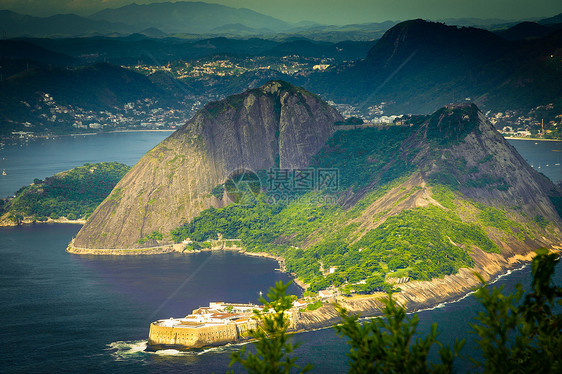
{"x":39,"y":158}
{"x":71,"y":313}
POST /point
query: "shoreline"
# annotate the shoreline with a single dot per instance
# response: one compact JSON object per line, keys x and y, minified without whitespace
{"x":50,"y":136}
{"x":27,"y":222}
{"x":532,"y":139}
{"x":415,"y":296}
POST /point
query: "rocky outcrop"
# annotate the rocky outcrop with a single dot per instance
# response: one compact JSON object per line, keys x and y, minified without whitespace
{"x":277,"y":125}
{"x":486,"y":168}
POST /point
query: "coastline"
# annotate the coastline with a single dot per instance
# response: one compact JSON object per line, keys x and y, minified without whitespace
{"x":414,"y":296}
{"x":51,"y":136}
{"x":532,"y":139}
{"x":165,"y":248}
{"x":28,"y":221}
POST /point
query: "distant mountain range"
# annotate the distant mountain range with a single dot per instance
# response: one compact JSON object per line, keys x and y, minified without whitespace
{"x":166,"y":18}
{"x":418,"y":66}
{"x":189,"y":17}
{"x":138,"y":47}
{"x":63,"y":25}
{"x":200,"y":18}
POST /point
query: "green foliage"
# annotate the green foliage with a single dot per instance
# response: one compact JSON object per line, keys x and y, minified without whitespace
{"x":444,"y":179}
{"x":422,"y":239}
{"x":557,"y":202}
{"x":540,"y":221}
{"x":315,"y":305}
{"x":449,"y":126}
{"x":366,"y":155}
{"x":155,"y":235}
{"x":488,"y":181}
{"x":273,"y":349}
{"x":493,"y":217}
{"x":417,"y":242}
{"x":444,"y":195}
{"x":75,"y":193}
{"x":386,"y":344}
{"x":16,"y":218}
{"x":218,"y":191}
{"x":521,"y":332}
{"x":486,"y":159}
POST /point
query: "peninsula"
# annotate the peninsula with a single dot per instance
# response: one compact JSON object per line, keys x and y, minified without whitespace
{"x":414,"y":207}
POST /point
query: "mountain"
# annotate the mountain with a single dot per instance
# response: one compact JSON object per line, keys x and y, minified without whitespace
{"x":348,"y":50}
{"x":22,"y":50}
{"x":18,"y":25}
{"x":332,"y":33}
{"x":155,"y":49}
{"x":97,"y":87}
{"x":276,"y":125}
{"x":432,"y":197}
{"x":238,"y":29}
{"x":153,"y":32}
{"x":557,"y":19}
{"x":525,"y":30}
{"x":188,"y":17}
{"x":418,"y":66}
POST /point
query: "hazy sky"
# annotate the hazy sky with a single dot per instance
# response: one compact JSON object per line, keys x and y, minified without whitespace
{"x":327,"y":11}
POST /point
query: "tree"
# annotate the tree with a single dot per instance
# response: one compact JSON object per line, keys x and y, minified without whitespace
{"x":16,"y":218}
{"x":385,"y":344}
{"x":272,"y":346}
{"x":525,"y":336}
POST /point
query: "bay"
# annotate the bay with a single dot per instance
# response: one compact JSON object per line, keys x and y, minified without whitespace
{"x":63,"y":312}
{"x":544,"y":156}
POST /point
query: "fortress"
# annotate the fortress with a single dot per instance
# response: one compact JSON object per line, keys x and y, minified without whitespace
{"x":218,"y":324}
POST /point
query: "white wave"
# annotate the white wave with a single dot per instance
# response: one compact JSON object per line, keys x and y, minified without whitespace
{"x":122,"y":350}
{"x":496,"y":279}
{"x":168,"y":352}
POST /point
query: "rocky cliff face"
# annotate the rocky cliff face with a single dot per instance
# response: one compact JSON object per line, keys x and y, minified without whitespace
{"x":276,"y":125}
{"x":457,"y":147}
{"x":480,"y":163}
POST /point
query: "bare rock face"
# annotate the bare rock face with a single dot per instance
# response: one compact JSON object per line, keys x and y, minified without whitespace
{"x":276,"y":125}
{"x":481,"y":164}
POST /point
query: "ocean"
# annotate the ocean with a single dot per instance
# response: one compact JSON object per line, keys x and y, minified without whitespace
{"x":70,"y":313}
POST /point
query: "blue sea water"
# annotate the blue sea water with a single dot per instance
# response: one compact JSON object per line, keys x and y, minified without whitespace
{"x":69,"y":313}
{"x":544,"y":156}
{"x":24,"y":161}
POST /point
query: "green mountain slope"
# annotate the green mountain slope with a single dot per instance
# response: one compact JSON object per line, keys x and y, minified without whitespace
{"x":416,"y":202}
{"x":73,"y":194}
